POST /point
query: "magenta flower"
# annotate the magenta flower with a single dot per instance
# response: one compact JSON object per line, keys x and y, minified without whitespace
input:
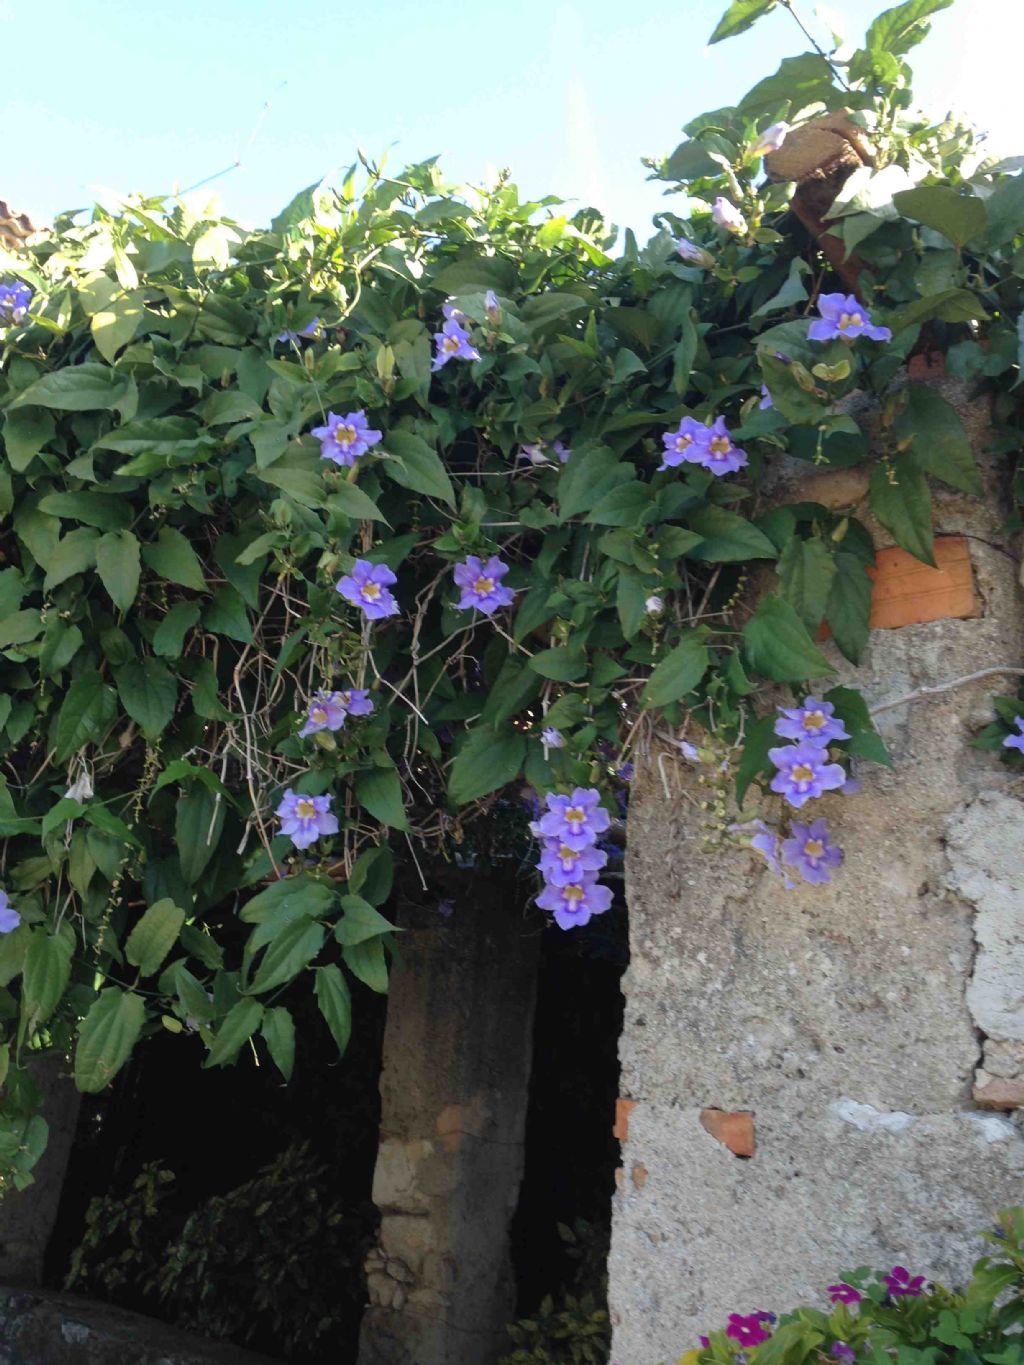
{"x":453,"y":343}
{"x":844,"y":1293}
{"x":728,"y":216}
{"x":326,"y":712}
{"x":356,"y":701}
{"x":841,"y":1351}
{"x":575,"y":820}
{"x":344,"y":439}
{"x":685,"y":445}
{"x":561,"y":865}
{"x":14,"y":302}
{"x":481,"y":586}
{"x":902,"y":1285}
{"x":573,"y":905}
{"x":770,"y":140}
{"x":1016,"y":741}
{"x":692,"y":253}
{"x":843,"y":317}
{"x":492,"y":307}
{"x":804,"y":772}
{"x":813,"y":722}
{"x":718,"y":453}
{"x":305,"y":819}
{"x":810,"y":852}
{"x":750,"y":1330}
{"x":9,"y":917}
{"x":367,"y":587}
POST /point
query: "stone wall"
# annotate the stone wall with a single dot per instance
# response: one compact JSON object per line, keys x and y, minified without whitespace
{"x":855,"y":1030}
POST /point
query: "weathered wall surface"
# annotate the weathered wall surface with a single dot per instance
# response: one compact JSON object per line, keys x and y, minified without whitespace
{"x":859,"y":1022}
{"x":454,"y":1090}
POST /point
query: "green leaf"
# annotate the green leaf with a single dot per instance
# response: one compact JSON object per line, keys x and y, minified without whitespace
{"x":741,"y":15}
{"x":788,"y":395}
{"x":88,"y":708}
{"x":806,"y":570}
{"x":335,"y":1001}
{"x":366,"y":961}
{"x":852,"y":710}
{"x":952,"y":305}
{"x":957,"y":216}
{"x":169,"y":636}
{"x":896,"y":30}
{"x":902,"y":503}
{"x":679,"y":672}
{"x":293,"y":947}
{"x":727,"y":538}
{"x":380,"y":792}
{"x":513,"y":689}
{"x":26,"y":431}
{"x":107,"y":512}
{"x":373,"y":874}
{"x":45,"y":976}
{"x":849,"y":606}
{"x":77,"y":388}
{"x":106,"y":1037}
{"x":799,"y":81}
{"x":117,"y":563}
{"x":418,"y":466}
{"x":149,"y":693}
{"x":940,"y":445}
{"x":306,"y":894}
{"x":198,"y":820}
{"x":360,"y":921}
{"x":587,"y":477}
{"x":153,"y":435}
{"x":1005,"y":210}
{"x":623,"y":506}
{"x":564,"y":664}
{"x":74,"y":554}
{"x":240,"y":1023}
{"x":114,"y":325}
{"x":754,"y":760}
{"x":20,"y":627}
{"x":488,"y":759}
{"x":354,"y":503}
{"x":171,"y":556}
{"x":778,"y":645}
{"x":278,"y":1029}
{"x":631,"y":600}
{"x":154,"y":936}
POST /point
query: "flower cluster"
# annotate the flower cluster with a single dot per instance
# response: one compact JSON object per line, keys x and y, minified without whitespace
{"x":14,"y":302}
{"x":711,"y":447}
{"x":570,"y":859}
{"x":328,"y":710}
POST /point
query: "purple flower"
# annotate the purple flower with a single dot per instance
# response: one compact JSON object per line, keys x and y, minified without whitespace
{"x":766,"y":399}
{"x":310,"y":330}
{"x":480,"y":585}
{"x":766,"y":842}
{"x":654,"y":605}
{"x":705,"y":1342}
{"x":533,"y":453}
{"x":718,"y":453}
{"x":326,"y":712}
{"x":9,"y":917}
{"x":804,"y":772}
{"x":14,"y":302}
{"x":689,"y":751}
{"x":843,"y":317}
{"x":685,"y":445}
{"x":356,"y":701}
{"x":748,"y":1331}
{"x":1016,"y":741}
{"x":692,"y":253}
{"x":446,"y":908}
{"x":812,"y":722}
{"x":562,"y":451}
{"x":367,"y":587}
{"x":305,"y":819}
{"x":844,"y":1293}
{"x":574,"y":904}
{"x":453,"y":343}
{"x":810,"y":852}
{"x":625,"y":772}
{"x":553,"y":738}
{"x":770,"y":140}
{"x":901,"y":1285}
{"x":728,"y":216}
{"x":561,"y":865}
{"x":453,"y":313}
{"x":575,"y":820}
{"x":491,"y":306}
{"x":841,"y":1351}
{"x":344,"y":439}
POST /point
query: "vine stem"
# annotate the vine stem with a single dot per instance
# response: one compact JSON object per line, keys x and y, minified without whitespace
{"x":788,"y":4}
{"x":947,"y":687}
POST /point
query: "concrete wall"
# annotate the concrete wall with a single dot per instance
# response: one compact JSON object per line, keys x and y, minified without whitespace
{"x":457,"y":1056}
{"x":858,"y":1023}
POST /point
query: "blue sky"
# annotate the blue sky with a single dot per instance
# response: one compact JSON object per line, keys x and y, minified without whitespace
{"x":568,"y":93}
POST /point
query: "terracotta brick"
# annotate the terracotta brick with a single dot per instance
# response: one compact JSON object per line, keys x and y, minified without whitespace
{"x":733,"y":1130}
{"x":623,"y":1109}
{"x":639,"y":1176}
{"x":927,"y":365}
{"x":907,"y":592}
{"x":998,"y":1093}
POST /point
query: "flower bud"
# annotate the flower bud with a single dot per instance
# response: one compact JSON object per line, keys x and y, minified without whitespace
{"x":728,"y":216}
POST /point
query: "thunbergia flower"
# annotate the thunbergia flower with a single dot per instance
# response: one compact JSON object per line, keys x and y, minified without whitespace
{"x":576,"y":820}
{"x":453,"y":343}
{"x":749,"y":1330}
{"x":453,"y":313}
{"x":356,"y":701}
{"x":534,"y":453}
{"x":481,"y":585}
{"x":625,"y":772}
{"x":654,"y":605}
{"x":810,"y":852}
{"x":1016,"y":741}
{"x":766,"y":399}
{"x":491,"y":306}
{"x":573,"y":905}
{"x":814,"y":722}
{"x":770,"y":140}
{"x":843,"y":317}
{"x":308,"y":332}
{"x":562,"y":451}
{"x":561,"y":864}
{"x":844,"y":1293}
{"x":804,"y":772}
{"x":686,"y":445}
{"x":326,"y":712}
{"x":727,"y":215}
{"x":367,"y":587}
{"x":902,"y":1285}
{"x":689,"y":751}
{"x":14,"y":302}
{"x":553,"y":738}
{"x":344,"y":439}
{"x":305,"y":819}
{"x":692,"y":253}
{"x":841,"y":1351}
{"x":9,"y":917}
{"x":718,"y":454}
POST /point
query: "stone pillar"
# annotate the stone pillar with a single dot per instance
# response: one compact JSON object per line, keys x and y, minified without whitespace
{"x":454,"y":1090}
{"x":27,"y":1216}
{"x":847,"y":1034}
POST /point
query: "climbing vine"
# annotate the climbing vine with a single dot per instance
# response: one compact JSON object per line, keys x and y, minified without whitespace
{"x":316,"y":538}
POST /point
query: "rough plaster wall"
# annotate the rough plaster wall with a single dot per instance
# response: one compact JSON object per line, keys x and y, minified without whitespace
{"x":842,"y":1016}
